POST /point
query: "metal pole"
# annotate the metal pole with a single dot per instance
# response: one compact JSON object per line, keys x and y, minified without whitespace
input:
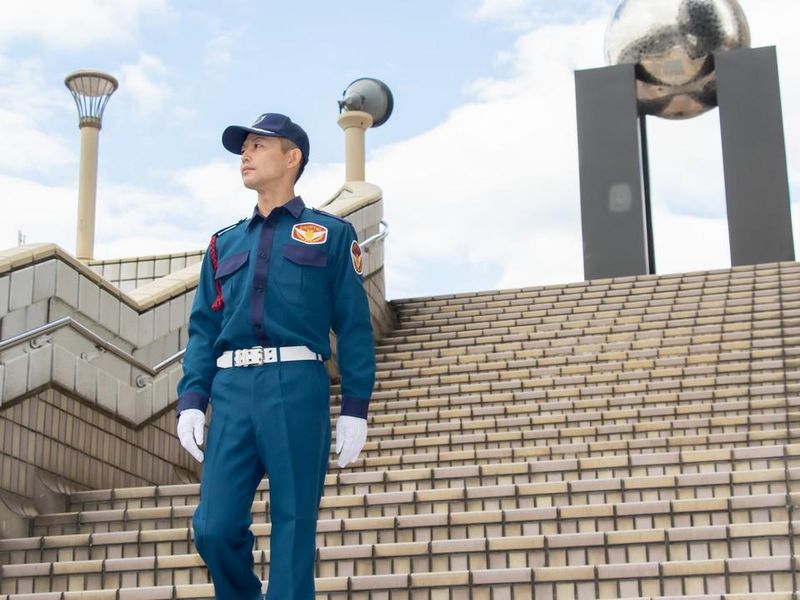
{"x":87,"y":192}
{"x":648,"y":212}
{"x":354,"y":123}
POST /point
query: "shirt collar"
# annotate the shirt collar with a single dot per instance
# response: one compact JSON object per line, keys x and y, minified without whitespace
{"x":294,"y":206}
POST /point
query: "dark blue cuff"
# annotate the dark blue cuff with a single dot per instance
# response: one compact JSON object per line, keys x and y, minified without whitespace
{"x":355,"y":407}
{"x":196,"y":400}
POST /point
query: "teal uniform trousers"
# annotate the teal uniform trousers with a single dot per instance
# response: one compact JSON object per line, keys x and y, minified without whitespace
{"x":273,"y":419}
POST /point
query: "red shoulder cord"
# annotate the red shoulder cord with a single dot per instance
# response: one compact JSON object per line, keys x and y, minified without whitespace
{"x":217,"y":305}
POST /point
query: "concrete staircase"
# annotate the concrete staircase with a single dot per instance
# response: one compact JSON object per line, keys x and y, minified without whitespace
{"x":626,"y":438}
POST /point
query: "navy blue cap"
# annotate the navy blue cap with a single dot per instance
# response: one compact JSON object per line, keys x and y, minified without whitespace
{"x":270,"y":125}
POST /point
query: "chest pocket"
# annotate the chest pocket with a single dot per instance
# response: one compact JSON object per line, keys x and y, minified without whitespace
{"x":303,"y":274}
{"x":231,"y":276}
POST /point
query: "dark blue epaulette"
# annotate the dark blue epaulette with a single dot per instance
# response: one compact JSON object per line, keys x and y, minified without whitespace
{"x":327,"y":214}
{"x":229,"y":227}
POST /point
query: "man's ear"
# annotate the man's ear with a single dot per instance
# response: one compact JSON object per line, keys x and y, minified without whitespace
{"x":295,"y":156}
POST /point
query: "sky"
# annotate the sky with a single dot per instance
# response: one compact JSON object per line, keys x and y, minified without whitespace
{"x":478,"y":163}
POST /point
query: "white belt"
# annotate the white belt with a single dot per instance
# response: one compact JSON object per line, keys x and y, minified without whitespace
{"x":258,"y":355}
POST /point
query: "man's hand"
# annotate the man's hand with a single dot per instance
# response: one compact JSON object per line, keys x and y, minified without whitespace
{"x":191,"y":423}
{"x":351,"y":433}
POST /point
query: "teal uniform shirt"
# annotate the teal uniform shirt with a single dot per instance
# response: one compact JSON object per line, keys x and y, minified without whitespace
{"x":284,"y":280}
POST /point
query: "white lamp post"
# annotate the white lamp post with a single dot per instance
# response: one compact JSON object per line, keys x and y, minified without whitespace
{"x":91,"y":91}
{"x":365,"y":103}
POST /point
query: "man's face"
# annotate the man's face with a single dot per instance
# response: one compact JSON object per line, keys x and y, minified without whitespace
{"x":263,"y":161}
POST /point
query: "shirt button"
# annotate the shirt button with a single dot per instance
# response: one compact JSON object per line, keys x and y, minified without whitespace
{"x":262,"y":255}
{"x":257,"y":326}
{"x":259,"y":289}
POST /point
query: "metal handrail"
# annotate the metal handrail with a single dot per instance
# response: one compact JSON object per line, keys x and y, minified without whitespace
{"x":95,"y":338}
{"x":375,"y":238}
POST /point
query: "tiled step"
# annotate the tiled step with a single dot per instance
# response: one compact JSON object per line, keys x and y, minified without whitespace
{"x":532,"y":340}
{"x":593,"y":366}
{"x":544,"y":430}
{"x":529,"y":360}
{"x":747,"y":579}
{"x":441,"y":524}
{"x":512,"y":401}
{"x":613,"y":356}
{"x":598,"y":341}
{"x":568,"y":372}
{"x":694,"y":308}
{"x":592,"y":383}
{"x":344,"y":482}
{"x":567,"y":307}
{"x":596,"y":330}
{"x":533,"y":401}
{"x":605,"y":321}
{"x":489,"y":395}
{"x":658,"y":289}
{"x":603,"y":326}
{"x":436,"y":422}
{"x":726,"y":358}
{"x":409,"y":419}
{"x":702,"y":316}
{"x":736,"y":541}
{"x":701,"y":302}
{"x":711,"y":314}
{"x":548,"y":447}
{"x":537,"y":493}
{"x":748,"y":596}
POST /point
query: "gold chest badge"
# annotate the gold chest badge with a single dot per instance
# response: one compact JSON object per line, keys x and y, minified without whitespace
{"x":310,"y":233}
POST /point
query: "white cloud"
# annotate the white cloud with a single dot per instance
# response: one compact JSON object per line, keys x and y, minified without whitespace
{"x":515,"y":13}
{"x":183,"y":114}
{"x":199,"y":201}
{"x":27,"y":149}
{"x":27,"y":104}
{"x":44,"y":213}
{"x":219,"y":50}
{"x":28,"y":98}
{"x":687,"y":243}
{"x":75,"y":23}
{"x":145,"y":83}
{"x":518,"y":15}
{"x":130,"y":219}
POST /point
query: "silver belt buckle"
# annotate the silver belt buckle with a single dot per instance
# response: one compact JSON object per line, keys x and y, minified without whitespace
{"x":249,"y":356}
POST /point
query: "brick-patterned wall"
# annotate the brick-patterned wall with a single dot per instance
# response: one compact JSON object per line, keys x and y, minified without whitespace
{"x":130,"y":273}
{"x":83,"y":445}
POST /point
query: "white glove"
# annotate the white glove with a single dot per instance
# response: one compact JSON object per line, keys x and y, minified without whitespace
{"x":351,"y":433}
{"x":191,"y":423}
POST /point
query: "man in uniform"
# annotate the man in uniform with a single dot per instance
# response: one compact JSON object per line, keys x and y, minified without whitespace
{"x":271,"y":287}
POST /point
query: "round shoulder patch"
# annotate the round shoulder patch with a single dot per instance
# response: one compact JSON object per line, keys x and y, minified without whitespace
{"x":355,"y":254}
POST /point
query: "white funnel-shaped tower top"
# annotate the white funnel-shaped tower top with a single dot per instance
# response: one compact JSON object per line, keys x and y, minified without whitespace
{"x":91,"y":91}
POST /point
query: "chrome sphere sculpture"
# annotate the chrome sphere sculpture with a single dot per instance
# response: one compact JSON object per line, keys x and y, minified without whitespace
{"x":671,"y":42}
